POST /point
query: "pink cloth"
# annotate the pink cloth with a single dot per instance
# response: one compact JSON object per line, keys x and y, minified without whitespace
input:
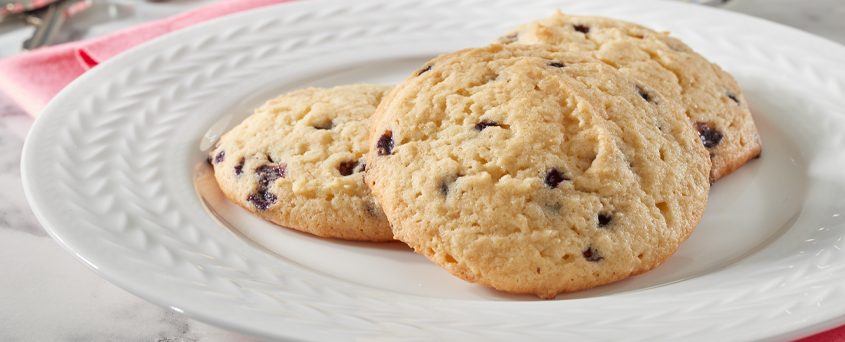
{"x":833,"y":335}
{"x":33,"y":78}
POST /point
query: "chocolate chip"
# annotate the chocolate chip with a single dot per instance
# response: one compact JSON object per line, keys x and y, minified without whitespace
{"x":581,"y":28}
{"x":444,"y":188}
{"x":262,"y":200}
{"x":484,"y":124}
{"x":553,"y":208}
{"x":709,"y":135}
{"x":509,"y":38}
{"x":557,"y":64}
{"x":604,"y":219}
{"x":644,"y":94}
{"x":423,"y":70}
{"x":239,"y":169}
{"x":446,"y":183}
{"x":553,"y":178}
{"x":269,"y":173}
{"x":328,"y":124}
{"x":220,"y":157}
{"x":592,"y":255}
{"x":347,"y":168}
{"x":373,"y":209}
{"x":384,"y":146}
{"x":732,"y":96}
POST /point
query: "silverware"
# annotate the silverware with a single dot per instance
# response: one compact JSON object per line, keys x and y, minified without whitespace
{"x":11,"y":7}
{"x":48,"y":21}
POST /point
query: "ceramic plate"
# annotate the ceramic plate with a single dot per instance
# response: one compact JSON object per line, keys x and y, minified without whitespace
{"x":114,"y":169}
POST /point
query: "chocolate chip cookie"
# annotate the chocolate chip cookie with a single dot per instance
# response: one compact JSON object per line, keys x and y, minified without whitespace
{"x":711,"y":98}
{"x":533,"y":170}
{"x":298,"y":161}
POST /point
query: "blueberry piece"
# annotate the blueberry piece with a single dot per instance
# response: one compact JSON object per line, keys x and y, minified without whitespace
{"x":424,"y":70}
{"x":347,"y":168}
{"x":262,"y":200}
{"x":384,"y":146}
{"x":220,"y":157}
{"x":604,"y":219}
{"x":509,"y":38}
{"x":328,"y":124}
{"x":269,"y":173}
{"x":581,"y":28}
{"x":710,"y":136}
{"x":644,"y":94}
{"x":732,"y":96}
{"x":484,"y":124}
{"x":446,"y":183}
{"x":239,"y":169}
{"x":554,"y":177}
{"x":592,"y":255}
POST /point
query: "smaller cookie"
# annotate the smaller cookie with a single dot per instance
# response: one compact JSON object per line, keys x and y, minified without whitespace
{"x":298,"y":161}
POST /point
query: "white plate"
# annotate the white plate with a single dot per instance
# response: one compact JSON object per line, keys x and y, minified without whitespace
{"x":114,"y":170}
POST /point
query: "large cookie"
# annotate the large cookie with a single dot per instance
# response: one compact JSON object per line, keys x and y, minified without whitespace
{"x":298,"y":161}
{"x":533,"y":170}
{"x":711,"y":97}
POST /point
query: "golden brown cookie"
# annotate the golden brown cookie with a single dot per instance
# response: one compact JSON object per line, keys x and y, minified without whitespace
{"x":298,"y":161}
{"x":536,"y":171}
{"x":711,"y":98}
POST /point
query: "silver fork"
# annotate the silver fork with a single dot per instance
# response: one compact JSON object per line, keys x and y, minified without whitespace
{"x":48,"y":21}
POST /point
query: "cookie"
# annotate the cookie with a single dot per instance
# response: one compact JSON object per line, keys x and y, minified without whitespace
{"x":535,"y":171}
{"x":712,"y":99}
{"x":298,"y":161}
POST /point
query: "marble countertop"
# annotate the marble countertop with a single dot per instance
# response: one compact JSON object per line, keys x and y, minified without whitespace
{"x":47,"y":295}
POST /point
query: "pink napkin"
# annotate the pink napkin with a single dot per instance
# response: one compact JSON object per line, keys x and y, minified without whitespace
{"x":836,"y":334}
{"x":33,"y":78}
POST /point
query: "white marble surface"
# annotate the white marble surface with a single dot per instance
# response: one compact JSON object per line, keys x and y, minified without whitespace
{"x":47,"y":295}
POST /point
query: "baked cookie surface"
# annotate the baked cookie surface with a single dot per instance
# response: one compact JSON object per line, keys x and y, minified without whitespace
{"x":298,"y":161}
{"x":536,"y":171}
{"x":711,"y":98}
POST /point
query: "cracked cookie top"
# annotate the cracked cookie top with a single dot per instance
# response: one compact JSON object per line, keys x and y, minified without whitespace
{"x":711,"y":98}
{"x":537,"y":171}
